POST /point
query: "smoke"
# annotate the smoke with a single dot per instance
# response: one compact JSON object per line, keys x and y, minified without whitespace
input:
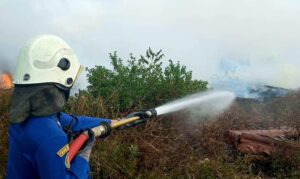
{"x":243,"y":76}
{"x":5,"y":66}
{"x":257,"y":40}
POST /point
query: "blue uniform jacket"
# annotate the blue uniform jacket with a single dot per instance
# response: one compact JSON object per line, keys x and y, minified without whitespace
{"x":35,"y":143}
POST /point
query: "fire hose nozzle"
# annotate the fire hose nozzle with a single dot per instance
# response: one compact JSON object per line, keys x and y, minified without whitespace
{"x":151,"y":113}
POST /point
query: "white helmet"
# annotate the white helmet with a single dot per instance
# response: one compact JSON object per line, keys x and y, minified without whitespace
{"x":47,"y":59}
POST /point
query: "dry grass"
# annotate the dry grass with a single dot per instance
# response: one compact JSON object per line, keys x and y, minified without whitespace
{"x":4,"y":106}
{"x":175,"y":147}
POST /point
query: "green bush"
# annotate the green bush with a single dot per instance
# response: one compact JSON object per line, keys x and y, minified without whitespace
{"x":142,"y":82}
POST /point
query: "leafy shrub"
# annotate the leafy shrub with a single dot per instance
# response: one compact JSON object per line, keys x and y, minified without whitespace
{"x":143,"y":82}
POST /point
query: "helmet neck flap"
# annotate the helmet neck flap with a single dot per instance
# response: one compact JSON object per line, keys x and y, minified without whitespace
{"x":40,"y":100}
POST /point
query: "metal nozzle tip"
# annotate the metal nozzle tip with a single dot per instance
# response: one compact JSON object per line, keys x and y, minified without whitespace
{"x":151,"y":113}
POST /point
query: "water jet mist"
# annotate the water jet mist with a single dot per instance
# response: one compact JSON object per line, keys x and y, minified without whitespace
{"x":212,"y":102}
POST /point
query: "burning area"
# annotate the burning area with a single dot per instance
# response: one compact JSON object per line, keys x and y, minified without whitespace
{"x":6,"y":81}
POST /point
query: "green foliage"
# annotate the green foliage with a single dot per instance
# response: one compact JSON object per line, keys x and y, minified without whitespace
{"x":142,"y":82}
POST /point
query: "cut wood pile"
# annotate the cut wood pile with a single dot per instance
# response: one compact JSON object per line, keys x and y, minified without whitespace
{"x":265,"y":142}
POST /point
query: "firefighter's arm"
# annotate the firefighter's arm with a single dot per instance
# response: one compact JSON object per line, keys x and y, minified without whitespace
{"x":52,"y":160}
{"x":81,"y":123}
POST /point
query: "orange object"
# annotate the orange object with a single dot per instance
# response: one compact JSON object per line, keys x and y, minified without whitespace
{"x":76,"y":145}
{"x":5,"y":81}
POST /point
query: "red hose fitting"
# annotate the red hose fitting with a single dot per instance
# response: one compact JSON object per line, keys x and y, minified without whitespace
{"x":76,"y":145}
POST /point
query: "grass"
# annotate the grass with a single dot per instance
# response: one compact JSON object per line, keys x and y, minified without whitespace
{"x":175,"y":147}
{"x":4,"y":107}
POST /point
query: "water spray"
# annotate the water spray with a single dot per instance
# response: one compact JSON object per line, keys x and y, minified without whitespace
{"x":191,"y":101}
{"x":104,"y":129}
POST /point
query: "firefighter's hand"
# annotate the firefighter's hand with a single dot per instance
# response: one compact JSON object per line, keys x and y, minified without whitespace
{"x":85,"y":152}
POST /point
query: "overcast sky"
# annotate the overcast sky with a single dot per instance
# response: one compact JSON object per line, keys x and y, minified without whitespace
{"x":253,"y":40}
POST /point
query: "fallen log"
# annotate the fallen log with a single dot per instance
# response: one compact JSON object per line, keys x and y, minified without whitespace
{"x":264,"y":142}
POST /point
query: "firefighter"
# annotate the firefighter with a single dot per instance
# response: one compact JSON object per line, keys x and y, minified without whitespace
{"x":39,"y":132}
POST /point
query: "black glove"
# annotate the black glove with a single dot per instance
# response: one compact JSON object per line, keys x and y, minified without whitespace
{"x":142,"y":114}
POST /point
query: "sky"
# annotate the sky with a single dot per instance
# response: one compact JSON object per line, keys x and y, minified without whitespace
{"x":249,"y":40}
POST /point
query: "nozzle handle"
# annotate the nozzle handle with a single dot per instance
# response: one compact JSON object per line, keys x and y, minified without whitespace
{"x":99,"y":131}
{"x":124,"y":122}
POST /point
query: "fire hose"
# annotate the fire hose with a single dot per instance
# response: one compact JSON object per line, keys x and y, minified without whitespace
{"x":103,"y":130}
